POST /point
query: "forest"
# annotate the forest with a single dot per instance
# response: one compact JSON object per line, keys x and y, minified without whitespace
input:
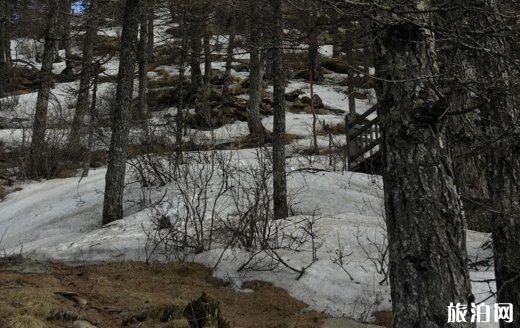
{"x":259,"y":163}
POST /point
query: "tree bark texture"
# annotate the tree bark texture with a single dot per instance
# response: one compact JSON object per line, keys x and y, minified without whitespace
{"x":196,"y":46}
{"x":425,"y":222}
{"x":38,"y":161}
{"x":142,"y":56}
{"x":115,"y":177}
{"x":82,"y":105}
{"x":254,"y":120}
{"x":501,"y":122}
{"x":279,"y":174}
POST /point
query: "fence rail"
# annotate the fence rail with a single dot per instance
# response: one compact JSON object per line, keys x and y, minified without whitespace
{"x":363,"y":140}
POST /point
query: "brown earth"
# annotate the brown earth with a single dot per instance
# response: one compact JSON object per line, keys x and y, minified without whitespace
{"x":111,"y":294}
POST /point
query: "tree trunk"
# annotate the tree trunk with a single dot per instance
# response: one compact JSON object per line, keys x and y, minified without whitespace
{"x":279,"y":175}
{"x":195,"y":44}
{"x":206,"y":110}
{"x":180,"y":103}
{"x":7,"y":34}
{"x":66,"y":40}
{"x":229,"y":57}
{"x":5,"y":69}
{"x":314,"y":50}
{"x":91,"y":121}
{"x":115,"y":177}
{"x":151,"y":28}
{"x":501,"y":117}
{"x":254,"y":120}
{"x":464,"y":130}
{"x":350,"y":79}
{"x":142,"y":56}
{"x":82,"y":105}
{"x":38,"y":155}
{"x":425,"y":223}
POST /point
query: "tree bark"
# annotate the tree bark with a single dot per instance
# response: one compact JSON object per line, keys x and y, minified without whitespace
{"x":142,"y":56}
{"x":501,"y":117}
{"x":206,"y":110}
{"x":195,"y":44}
{"x":5,"y":67}
{"x":254,"y":121}
{"x":115,"y":177}
{"x":151,"y":30}
{"x":82,"y":105}
{"x":229,"y":57}
{"x":65,"y":35}
{"x":314,"y":50}
{"x":38,"y":156}
{"x":464,"y":130}
{"x":279,"y":174}
{"x":350,"y":79}
{"x":425,"y":223}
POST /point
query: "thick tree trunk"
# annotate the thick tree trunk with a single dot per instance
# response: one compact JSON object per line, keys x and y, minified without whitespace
{"x":151,"y":30}
{"x":425,"y":223}
{"x":464,"y":131}
{"x":38,"y":156}
{"x":82,"y":105}
{"x":115,"y":177}
{"x":279,"y":174}
{"x":142,"y":56}
{"x":501,"y":117}
{"x":254,"y":120}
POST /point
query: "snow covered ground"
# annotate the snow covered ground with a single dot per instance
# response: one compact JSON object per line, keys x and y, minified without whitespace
{"x":61,"y":219}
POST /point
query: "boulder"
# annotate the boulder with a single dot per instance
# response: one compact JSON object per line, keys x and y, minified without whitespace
{"x":318,"y":103}
{"x":294,"y":95}
{"x":241,"y":68}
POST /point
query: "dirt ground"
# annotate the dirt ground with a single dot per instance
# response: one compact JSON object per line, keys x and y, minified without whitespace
{"x":137,"y":295}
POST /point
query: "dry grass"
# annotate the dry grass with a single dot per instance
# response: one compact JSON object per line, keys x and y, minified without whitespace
{"x":26,"y":321}
{"x":383,"y":318}
{"x":3,"y":193}
{"x":118,"y":291}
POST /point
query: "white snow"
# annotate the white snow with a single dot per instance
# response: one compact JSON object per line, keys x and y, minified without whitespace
{"x":61,"y":219}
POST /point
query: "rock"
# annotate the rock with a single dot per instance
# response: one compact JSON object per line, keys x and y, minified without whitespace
{"x":82,"y":324}
{"x":318,"y":103}
{"x":294,"y":95}
{"x":242,"y":68}
{"x":299,"y":104}
{"x":345,"y":323}
{"x":322,"y":111}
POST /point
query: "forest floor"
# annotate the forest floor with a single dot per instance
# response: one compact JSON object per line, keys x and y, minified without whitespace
{"x":110,"y":295}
